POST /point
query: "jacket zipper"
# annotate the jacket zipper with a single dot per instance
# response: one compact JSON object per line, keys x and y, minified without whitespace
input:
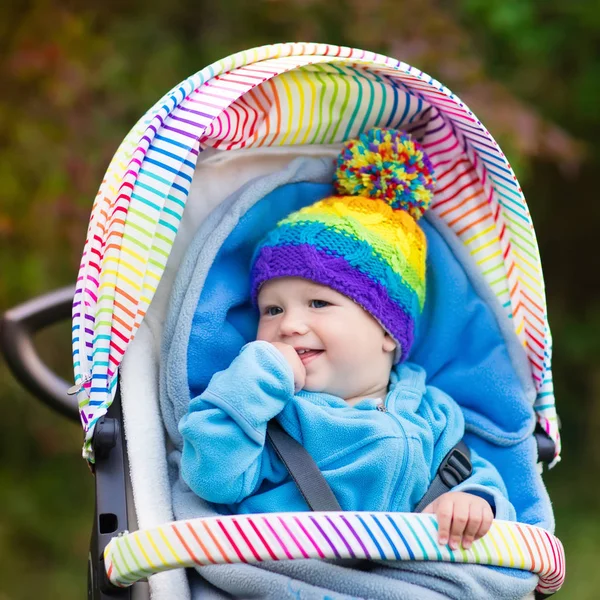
{"x":385,"y":409}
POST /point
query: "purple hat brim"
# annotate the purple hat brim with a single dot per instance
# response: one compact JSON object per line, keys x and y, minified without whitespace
{"x":326,"y":268}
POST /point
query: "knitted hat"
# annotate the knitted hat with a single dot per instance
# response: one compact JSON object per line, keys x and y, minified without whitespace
{"x":365,"y":242}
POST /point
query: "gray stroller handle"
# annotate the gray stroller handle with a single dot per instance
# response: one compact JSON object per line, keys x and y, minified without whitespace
{"x":17,"y":329}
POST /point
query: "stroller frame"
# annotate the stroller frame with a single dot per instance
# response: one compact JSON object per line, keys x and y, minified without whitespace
{"x":105,"y":441}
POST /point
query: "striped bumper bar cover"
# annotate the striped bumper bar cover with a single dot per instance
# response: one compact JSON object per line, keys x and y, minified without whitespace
{"x":290,"y":536}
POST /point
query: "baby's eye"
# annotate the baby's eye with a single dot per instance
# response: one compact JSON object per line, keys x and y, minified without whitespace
{"x":318,"y":304}
{"x":273,"y":310}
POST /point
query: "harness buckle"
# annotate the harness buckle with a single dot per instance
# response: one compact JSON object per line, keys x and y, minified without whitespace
{"x":455,"y":468}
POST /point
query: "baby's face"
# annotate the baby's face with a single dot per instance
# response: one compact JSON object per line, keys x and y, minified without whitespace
{"x":343,"y":348}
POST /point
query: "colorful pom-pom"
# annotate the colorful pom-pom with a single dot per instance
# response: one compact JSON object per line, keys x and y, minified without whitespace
{"x":388,"y":165}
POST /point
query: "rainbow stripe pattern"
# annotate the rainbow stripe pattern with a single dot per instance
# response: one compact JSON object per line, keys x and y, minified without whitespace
{"x":292,"y":536}
{"x":291,"y":94}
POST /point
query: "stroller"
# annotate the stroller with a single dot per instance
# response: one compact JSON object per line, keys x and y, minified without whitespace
{"x":278,"y":114}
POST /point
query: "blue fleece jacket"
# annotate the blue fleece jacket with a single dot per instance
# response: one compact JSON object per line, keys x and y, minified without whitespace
{"x":373,"y":460}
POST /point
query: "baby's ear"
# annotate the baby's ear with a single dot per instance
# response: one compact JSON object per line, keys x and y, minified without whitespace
{"x":389,"y":344}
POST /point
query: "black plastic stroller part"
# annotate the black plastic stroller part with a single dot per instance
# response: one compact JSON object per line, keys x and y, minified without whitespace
{"x":110,"y":513}
{"x":454,"y":469}
{"x":545,"y":446}
{"x":17,"y":329}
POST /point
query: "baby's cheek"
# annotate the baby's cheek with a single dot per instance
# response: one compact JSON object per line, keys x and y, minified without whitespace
{"x":347,"y":367}
{"x":264,"y":333}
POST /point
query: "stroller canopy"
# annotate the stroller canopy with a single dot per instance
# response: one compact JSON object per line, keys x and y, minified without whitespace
{"x":303,"y":95}
{"x":295,"y":94}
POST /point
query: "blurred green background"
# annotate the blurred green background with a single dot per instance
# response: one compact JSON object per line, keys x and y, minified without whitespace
{"x":74,"y":78}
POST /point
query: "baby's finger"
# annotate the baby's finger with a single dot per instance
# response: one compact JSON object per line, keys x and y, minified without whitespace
{"x":443,"y":512}
{"x":299,"y":382}
{"x":460,"y":518}
{"x":487,"y":518}
{"x":473,"y":525}
{"x":299,"y":377}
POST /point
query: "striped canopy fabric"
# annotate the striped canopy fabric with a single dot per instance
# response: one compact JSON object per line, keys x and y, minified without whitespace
{"x":295,"y":94}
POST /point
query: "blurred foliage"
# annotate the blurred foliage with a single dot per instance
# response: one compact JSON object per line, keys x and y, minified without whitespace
{"x":76,"y":75}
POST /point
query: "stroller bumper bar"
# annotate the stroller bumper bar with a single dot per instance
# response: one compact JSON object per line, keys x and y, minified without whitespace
{"x":291,"y":536}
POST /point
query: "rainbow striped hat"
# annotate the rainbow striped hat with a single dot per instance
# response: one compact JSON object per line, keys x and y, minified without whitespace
{"x":365,"y":242}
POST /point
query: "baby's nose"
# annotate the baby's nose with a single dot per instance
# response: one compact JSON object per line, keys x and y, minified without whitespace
{"x":293,"y":324}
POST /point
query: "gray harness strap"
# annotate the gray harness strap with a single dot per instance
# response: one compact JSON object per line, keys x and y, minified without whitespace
{"x":303,"y":469}
{"x":315,"y":490}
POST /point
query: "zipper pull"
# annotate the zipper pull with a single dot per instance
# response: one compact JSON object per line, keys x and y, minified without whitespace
{"x":381,"y":408}
{"x":75,"y":389}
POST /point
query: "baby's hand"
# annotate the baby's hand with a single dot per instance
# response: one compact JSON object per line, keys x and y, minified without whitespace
{"x":291,"y":356}
{"x":461,"y":515}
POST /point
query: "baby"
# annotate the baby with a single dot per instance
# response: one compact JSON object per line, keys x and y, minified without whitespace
{"x":339,"y":286}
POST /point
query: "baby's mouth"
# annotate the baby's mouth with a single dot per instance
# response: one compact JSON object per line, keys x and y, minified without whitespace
{"x":307,"y":355}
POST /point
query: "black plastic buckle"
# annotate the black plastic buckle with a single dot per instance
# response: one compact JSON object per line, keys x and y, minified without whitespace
{"x":455,"y":468}
{"x":545,"y":446}
{"x":105,"y":436}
